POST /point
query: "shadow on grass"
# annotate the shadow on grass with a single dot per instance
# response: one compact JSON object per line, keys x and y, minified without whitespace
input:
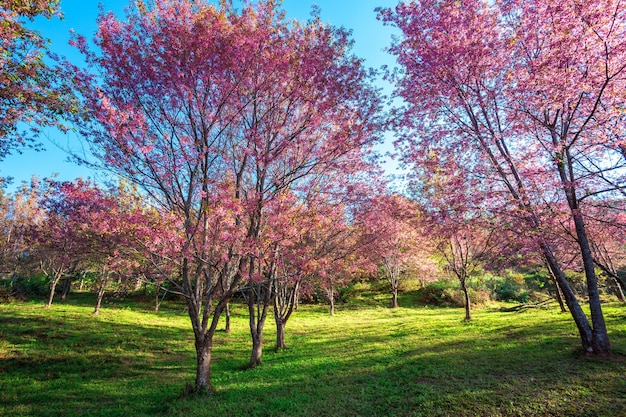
{"x":88,"y":366}
{"x":410,"y":362}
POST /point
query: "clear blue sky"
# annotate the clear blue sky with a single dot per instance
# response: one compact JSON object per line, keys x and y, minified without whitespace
{"x":369,"y":35}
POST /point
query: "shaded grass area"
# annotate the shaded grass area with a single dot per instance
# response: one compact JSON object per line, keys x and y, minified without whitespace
{"x":370,"y":361}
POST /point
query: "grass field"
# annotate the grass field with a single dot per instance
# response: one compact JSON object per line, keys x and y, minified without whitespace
{"x":367,"y":361}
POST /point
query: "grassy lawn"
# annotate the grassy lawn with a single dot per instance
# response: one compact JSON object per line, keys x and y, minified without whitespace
{"x":367,"y":361}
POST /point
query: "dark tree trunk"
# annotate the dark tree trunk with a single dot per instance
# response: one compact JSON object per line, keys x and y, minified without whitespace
{"x":600,"y":336}
{"x":280,"y":334}
{"x":227,"y":319}
{"x":468,"y":313}
{"x":204,"y":342}
{"x":204,"y":350}
{"x":285,"y":299}
{"x":584,"y":329}
{"x":259,"y":298}
{"x":101,"y":290}
{"x":67,"y":285}
{"x":394,"y":298}
{"x":619,"y":291}
{"x":256,"y":356}
{"x":620,"y":285}
{"x":557,"y":289}
{"x":559,"y":296}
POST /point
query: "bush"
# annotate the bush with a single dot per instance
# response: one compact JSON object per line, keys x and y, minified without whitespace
{"x":448,"y":294}
{"x":32,"y":286}
{"x":512,"y":287}
{"x":438,"y":293}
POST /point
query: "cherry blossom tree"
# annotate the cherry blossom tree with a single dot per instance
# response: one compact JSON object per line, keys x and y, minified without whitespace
{"x":391,"y":229}
{"x":19,"y":211}
{"x":31,"y":92}
{"x":215,"y":113}
{"x":531,"y":92}
{"x":56,"y":240}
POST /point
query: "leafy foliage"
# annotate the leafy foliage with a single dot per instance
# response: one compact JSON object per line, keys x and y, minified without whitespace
{"x":31,"y":92}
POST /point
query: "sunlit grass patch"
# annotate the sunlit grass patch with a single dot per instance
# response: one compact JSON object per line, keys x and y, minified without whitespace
{"x":368,"y":361}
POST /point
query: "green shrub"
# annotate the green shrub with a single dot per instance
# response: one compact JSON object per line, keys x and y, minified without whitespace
{"x":29,"y":286}
{"x":448,"y":293}
{"x":506,"y":290}
{"x":438,"y":293}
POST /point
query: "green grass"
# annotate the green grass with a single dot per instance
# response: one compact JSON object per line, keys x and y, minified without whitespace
{"x":367,"y":361}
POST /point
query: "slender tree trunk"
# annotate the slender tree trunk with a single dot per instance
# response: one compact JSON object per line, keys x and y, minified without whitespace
{"x":204,"y":341}
{"x":600,"y":338}
{"x":157,"y":302}
{"x":258,"y":305}
{"x":256,"y":356}
{"x":56,"y":276}
{"x":598,"y":342}
{"x":619,"y":291}
{"x":227,"y":324}
{"x":285,"y":300}
{"x":559,"y":296}
{"x":331,"y":298}
{"x":101,"y":290}
{"x":619,"y":283}
{"x":468,"y":313}
{"x":558,"y":293}
{"x":53,"y":286}
{"x":584,"y":329}
{"x":280,"y":334}
{"x":67,"y":285}
{"x":394,"y":297}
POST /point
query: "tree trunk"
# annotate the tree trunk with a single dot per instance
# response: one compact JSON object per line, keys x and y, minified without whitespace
{"x":157,"y":302}
{"x":559,"y":296}
{"x":204,"y":341}
{"x":53,"y":286}
{"x":468,"y":313}
{"x":619,"y":283}
{"x":67,"y":285}
{"x":204,"y":346}
{"x":280,"y":334}
{"x":394,"y":298}
{"x":598,"y":342}
{"x":331,"y":298}
{"x":584,"y":329}
{"x":56,"y":276}
{"x":227,"y":324}
{"x":600,"y":336}
{"x":285,"y":299}
{"x":256,"y":356}
{"x":104,"y":280}
{"x":619,"y":291}
{"x":258,"y":304}
{"x":558,"y":293}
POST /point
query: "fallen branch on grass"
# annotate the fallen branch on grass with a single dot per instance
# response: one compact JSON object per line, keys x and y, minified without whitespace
{"x":521,"y":307}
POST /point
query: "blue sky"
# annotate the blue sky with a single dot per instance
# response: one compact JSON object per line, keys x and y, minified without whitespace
{"x":369,"y":35}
